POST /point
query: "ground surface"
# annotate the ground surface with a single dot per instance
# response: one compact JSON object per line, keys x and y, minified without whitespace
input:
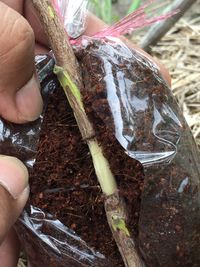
{"x":179,"y":51}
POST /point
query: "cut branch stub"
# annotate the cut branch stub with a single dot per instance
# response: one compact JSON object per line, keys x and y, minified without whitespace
{"x":117,"y":220}
{"x":158,"y":30}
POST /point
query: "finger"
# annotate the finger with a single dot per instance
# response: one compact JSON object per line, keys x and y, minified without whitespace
{"x":26,"y":9}
{"x":14,"y":192}
{"x":94,"y":25}
{"x":40,"y":49}
{"x":9,"y":250}
{"x":20,"y":98}
{"x":16,"y":5}
{"x":33,"y":19}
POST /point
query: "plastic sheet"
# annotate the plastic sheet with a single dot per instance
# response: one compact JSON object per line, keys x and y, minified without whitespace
{"x":128,"y":97}
{"x":21,"y":140}
{"x":74,"y":15}
{"x":132,"y":104}
{"x":46,"y":240}
{"x":127,"y":93}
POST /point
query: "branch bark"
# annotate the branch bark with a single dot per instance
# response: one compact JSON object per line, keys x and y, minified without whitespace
{"x":116,"y":215}
{"x":70,"y":77}
{"x":158,"y":30}
{"x":65,"y":58}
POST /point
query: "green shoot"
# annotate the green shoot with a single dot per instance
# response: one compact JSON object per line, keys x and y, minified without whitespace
{"x":101,"y":165}
{"x":65,"y":81}
{"x":119,"y":224}
{"x":134,"y":6}
{"x":102,"y":169}
{"x":103,"y":10}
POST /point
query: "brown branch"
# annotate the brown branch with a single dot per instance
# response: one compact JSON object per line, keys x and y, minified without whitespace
{"x":58,"y":39}
{"x":115,"y":208}
{"x":158,"y":30}
{"x":65,"y":58}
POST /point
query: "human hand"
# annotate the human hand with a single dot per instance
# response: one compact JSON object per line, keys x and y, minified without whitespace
{"x":94,"y":25}
{"x":20,"y":101}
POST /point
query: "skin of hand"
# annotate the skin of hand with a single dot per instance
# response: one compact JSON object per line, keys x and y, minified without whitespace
{"x":21,"y":37}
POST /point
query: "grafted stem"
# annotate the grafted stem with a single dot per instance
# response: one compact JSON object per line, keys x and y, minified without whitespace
{"x":69,"y":75}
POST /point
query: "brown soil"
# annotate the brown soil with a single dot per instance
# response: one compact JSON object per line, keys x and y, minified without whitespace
{"x":63,"y":181}
{"x":168,"y":235}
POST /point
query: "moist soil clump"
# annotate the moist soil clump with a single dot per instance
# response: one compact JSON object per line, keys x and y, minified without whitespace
{"x":63,"y":182}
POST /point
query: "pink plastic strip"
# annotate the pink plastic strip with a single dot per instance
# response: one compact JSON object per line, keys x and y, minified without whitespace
{"x":134,"y":21}
{"x":130,"y":23}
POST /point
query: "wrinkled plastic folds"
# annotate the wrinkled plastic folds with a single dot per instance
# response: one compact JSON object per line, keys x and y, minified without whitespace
{"x":128,"y":93}
{"x":52,"y":238}
{"x":40,"y":231}
{"x":73,"y":14}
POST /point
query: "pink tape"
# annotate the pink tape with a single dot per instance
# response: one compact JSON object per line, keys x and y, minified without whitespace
{"x":134,"y":21}
{"x":130,"y":23}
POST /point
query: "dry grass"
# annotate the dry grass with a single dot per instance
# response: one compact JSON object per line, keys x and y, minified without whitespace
{"x":22,"y":262}
{"x":179,"y":51}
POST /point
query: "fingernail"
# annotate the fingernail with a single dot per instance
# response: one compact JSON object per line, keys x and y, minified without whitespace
{"x":29,"y":100}
{"x":13,"y":176}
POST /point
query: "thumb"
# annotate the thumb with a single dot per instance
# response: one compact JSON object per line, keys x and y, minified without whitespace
{"x":20,"y":98}
{"x":14,"y":192}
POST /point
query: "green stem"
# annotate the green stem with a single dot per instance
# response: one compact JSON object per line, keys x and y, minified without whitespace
{"x":134,"y":6}
{"x":104,"y":175}
{"x":102,"y":169}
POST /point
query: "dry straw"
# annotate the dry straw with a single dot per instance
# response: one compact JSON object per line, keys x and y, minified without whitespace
{"x":179,"y":51}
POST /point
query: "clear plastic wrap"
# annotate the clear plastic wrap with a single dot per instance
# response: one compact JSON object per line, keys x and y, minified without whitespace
{"x":73,"y":14}
{"x":45,"y":239}
{"x":48,"y":242}
{"x":22,"y":140}
{"x":125,"y":92}
{"x":136,"y":119}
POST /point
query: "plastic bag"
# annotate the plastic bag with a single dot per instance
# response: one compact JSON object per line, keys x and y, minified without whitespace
{"x":21,"y":140}
{"x":126,"y":92}
{"x":45,"y":239}
{"x":136,"y":117}
{"x":125,"y":95}
{"x":74,"y":15}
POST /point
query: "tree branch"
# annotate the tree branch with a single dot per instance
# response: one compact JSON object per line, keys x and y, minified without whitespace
{"x":159,"y":29}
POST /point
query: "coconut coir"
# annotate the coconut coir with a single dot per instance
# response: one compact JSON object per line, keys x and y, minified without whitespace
{"x":165,"y":224}
{"x":125,"y":94}
{"x":64,"y":184}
